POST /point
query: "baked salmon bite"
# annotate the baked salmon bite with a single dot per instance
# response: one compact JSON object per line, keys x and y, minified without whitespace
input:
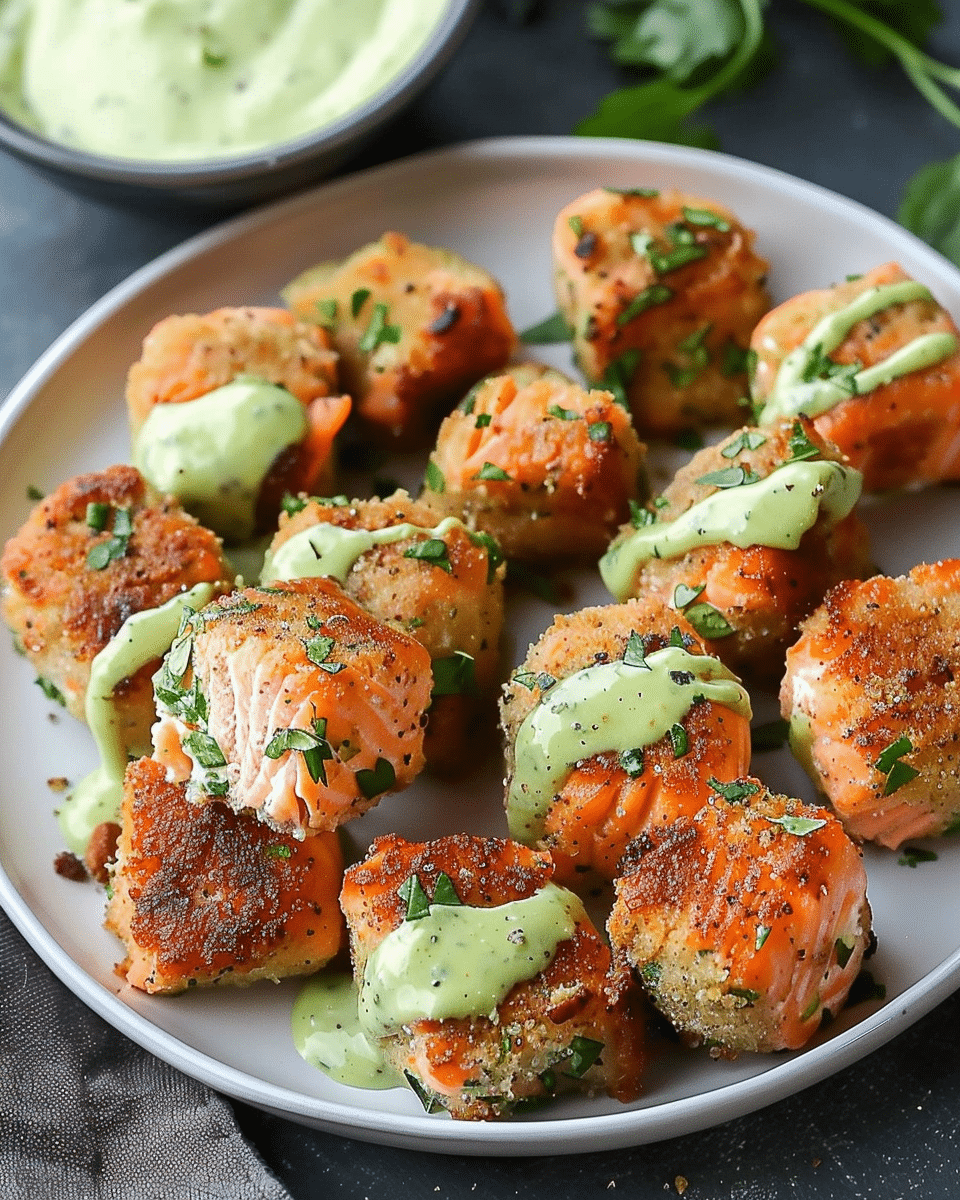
{"x":875,"y":362}
{"x":747,"y":922}
{"x":617,"y":721}
{"x":98,"y":550}
{"x":870,"y":692}
{"x":293,"y":702}
{"x":437,"y":581}
{"x":414,"y":325}
{"x":202,"y":895}
{"x":231,"y":409}
{"x":546,"y":467}
{"x":662,"y":291}
{"x":483,"y":982}
{"x":746,"y":540}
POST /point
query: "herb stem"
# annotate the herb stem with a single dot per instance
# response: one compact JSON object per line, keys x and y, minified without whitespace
{"x":919,"y":68}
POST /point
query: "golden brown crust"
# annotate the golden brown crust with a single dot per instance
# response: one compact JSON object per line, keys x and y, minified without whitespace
{"x":476,"y":1068}
{"x":877,"y":662}
{"x":545,"y":466}
{"x":675,"y":334}
{"x":203,"y":895}
{"x":761,"y":592}
{"x":451,"y":322}
{"x":64,"y":611}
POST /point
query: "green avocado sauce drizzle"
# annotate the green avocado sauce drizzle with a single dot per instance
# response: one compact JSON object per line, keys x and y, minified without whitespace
{"x":774,"y":511}
{"x":795,"y":392}
{"x":143,"y":637}
{"x":615,"y":706}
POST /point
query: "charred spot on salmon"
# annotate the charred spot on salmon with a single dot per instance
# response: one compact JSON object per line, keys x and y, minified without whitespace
{"x":446,"y":320}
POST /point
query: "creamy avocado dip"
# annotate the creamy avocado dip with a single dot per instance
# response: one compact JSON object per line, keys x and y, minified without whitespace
{"x":191,"y":79}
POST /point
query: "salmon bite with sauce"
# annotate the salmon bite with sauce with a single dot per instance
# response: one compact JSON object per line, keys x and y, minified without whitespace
{"x":875,"y":363}
{"x":871,"y":695}
{"x":414,"y":325}
{"x":505,"y":995}
{"x":545,"y":466}
{"x":616,"y":722}
{"x":232,"y":409}
{"x":662,"y":291}
{"x":746,"y":922}
{"x":438,"y":582}
{"x":293,"y":702}
{"x":746,"y":540}
{"x":100,"y":549}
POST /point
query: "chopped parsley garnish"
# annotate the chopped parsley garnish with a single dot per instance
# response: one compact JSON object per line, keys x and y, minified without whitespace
{"x":534,"y":679}
{"x":679,"y":740}
{"x":445,"y":893}
{"x":708,"y":621}
{"x":599,"y":431}
{"x":358,"y":300}
{"x":576,"y":224}
{"x":748,"y":439}
{"x":34,"y":493}
{"x":378,"y":331}
{"x":650,"y":297}
{"x":763,"y":932}
{"x":115,"y":547}
{"x":747,"y":995}
{"x":318,"y":652}
{"x":734,"y":792}
{"x":683,"y":250}
{"x":374,"y":781}
{"x":728,"y":477}
{"x":634,"y":654}
{"x":292,"y":505}
{"x":51,"y":691}
{"x":278,"y":850}
{"x":703,"y":217}
{"x":98,"y":514}
{"x":555,"y":328}
{"x":562,"y":414}
{"x":429,"y":1100}
{"x":798,"y":826}
{"x":683,"y":595}
{"x":912,"y":855}
{"x":640,"y":516}
{"x":584,"y":1052}
{"x":213,"y":58}
{"x":800,"y":445}
{"x":480,"y":537}
{"x":468,"y":403}
{"x":734,"y":360}
{"x":204,"y":749}
{"x":327,"y":313}
{"x":631,"y":761}
{"x":490,"y":470}
{"x":843,"y":948}
{"x":455,"y":675}
{"x":647,"y":192}
{"x":811,"y":1009}
{"x":821,"y":366}
{"x":411,"y":892}
{"x":889,"y":764}
{"x":619,"y":375}
{"x":434,"y":478}
{"x":311,"y":743}
{"x":432,"y":551}
{"x":482,"y":421}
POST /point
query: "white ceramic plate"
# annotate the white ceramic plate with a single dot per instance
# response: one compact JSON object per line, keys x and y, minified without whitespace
{"x":493,"y":202}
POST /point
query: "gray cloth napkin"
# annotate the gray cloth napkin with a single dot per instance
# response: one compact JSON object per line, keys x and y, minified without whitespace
{"x":86,"y":1114}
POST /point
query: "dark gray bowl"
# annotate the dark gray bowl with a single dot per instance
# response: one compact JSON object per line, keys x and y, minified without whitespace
{"x":249,"y":178}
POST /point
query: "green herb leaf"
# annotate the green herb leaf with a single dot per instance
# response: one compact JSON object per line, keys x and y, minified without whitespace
{"x":51,"y":691}
{"x":734,"y":792}
{"x":679,"y":740}
{"x":749,"y":439}
{"x":374,"y":782}
{"x":684,"y":595}
{"x":277,"y":851}
{"x":534,"y":679}
{"x":800,"y":446}
{"x":378,"y":331}
{"x":455,"y":675}
{"x":432,"y":551}
{"x":552,"y":329}
{"x":844,"y":948}
{"x":34,"y":493}
{"x":763,"y":932}
{"x":889,"y":763}
{"x":98,"y":515}
{"x":562,"y":414}
{"x":635,"y":655}
{"x":631,"y":761}
{"x":640,"y":516}
{"x":798,"y":826}
{"x":492,"y":471}
{"x":445,"y":893}
{"x":912,"y":855}
{"x":584,"y":1052}
{"x":728,"y":477}
{"x":327,"y":313}
{"x":482,"y":421}
{"x":599,"y":431}
{"x":434,"y":478}
{"x":748,"y":996}
{"x":650,"y":297}
{"x":412,"y":894}
{"x":931,"y":207}
{"x":708,"y":621}
{"x":619,"y":374}
{"x":358,"y":300}
{"x":704,"y":217}
{"x":318,"y":652}
{"x":205,"y":749}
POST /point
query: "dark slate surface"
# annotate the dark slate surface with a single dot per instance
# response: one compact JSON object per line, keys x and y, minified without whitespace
{"x":886,"y":1127}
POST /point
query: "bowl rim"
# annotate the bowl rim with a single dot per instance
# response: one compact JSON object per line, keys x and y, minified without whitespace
{"x":386,"y":102}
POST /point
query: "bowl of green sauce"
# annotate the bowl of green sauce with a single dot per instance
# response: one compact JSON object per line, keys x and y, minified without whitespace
{"x":222,"y":102}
